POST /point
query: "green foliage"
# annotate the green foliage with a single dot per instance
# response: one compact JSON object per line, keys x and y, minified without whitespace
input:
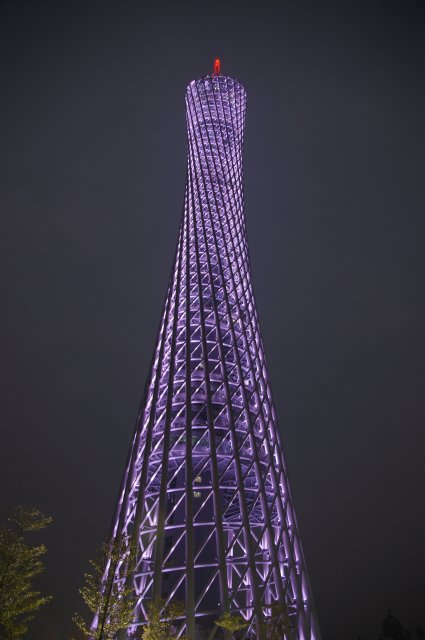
{"x":231,"y":622}
{"x":276,"y":624}
{"x":160,"y":618}
{"x":20,"y":563}
{"x":105,"y":596}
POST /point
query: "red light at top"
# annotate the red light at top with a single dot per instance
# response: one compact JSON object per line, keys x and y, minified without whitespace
{"x":217,"y":67}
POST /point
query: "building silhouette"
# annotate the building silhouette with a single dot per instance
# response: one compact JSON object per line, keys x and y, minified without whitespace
{"x":205,"y":495}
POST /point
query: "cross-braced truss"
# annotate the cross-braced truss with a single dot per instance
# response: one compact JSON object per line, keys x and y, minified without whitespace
{"x":205,"y":495}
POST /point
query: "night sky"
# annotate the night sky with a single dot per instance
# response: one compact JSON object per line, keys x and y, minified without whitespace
{"x":92,"y":170}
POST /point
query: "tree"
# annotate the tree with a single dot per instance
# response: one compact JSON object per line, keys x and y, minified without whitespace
{"x":160,"y":617}
{"x":276,"y":624}
{"x":231,"y":623}
{"x":109,"y":599}
{"x":392,"y":628}
{"x":20,"y":563}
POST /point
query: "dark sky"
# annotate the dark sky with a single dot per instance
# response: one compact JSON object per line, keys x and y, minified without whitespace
{"x":92,"y":169}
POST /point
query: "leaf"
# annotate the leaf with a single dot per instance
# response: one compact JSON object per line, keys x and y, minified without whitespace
{"x":20,"y":563}
{"x":105,"y":593}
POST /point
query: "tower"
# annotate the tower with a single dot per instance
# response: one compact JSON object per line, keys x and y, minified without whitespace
{"x":205,"y":495}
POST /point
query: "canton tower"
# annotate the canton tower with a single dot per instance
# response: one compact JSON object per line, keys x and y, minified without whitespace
{"x":205,"y":495}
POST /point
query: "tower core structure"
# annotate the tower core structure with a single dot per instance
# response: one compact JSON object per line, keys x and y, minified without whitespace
{"x":205,"y":496}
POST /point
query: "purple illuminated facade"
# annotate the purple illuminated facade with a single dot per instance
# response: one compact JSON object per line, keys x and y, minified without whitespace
{"x":205,"y":495}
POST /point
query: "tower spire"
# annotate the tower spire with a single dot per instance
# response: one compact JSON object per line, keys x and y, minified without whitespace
{"x":217,"y":67}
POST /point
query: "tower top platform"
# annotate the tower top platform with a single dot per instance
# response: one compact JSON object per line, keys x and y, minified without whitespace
{"x":222,"y":82}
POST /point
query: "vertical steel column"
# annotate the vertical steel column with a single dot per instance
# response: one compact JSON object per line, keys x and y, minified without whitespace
{"x":247,"y":413}
{"x":190,"y":548}
{"x":237,"y":463}
{"x":280,"y":588}
{"x":224,"y":597}
{"x":140,"y":504}
{"x":159,"y":544}
{"x":296,"y":579}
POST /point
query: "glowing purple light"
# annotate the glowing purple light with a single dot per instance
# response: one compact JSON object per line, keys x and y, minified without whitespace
{"x":205,"y":494}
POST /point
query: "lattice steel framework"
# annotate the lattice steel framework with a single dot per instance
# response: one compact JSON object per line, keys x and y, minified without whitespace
{"x":205,"y":495}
